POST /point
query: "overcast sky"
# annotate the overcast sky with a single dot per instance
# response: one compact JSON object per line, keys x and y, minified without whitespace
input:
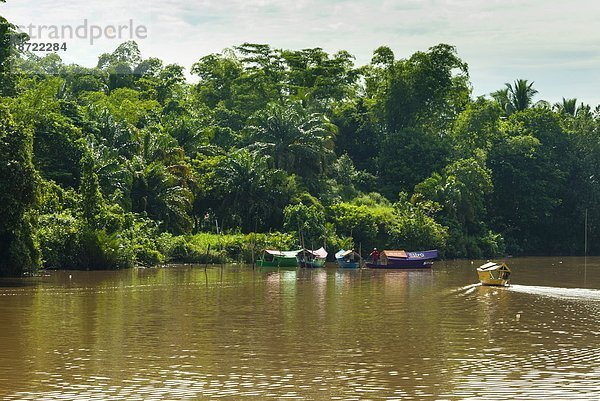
{"x":554,"y":43}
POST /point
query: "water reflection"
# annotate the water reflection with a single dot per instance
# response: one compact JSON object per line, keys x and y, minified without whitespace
{"x":189,"y":333}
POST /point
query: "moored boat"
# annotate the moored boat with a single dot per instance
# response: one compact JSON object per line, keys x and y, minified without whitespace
{"x":348,"y":259}
{"x":493,"y":273}
{"x":398,"y":259}
{"x":312,"y":258}
{"x":275,"y":258}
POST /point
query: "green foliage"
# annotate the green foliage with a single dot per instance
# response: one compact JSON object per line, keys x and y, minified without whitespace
{"x":294,"y":140}
{"x":515,"y":97}
{"x":308,"y":222}
{"x":68,"y":242}
{"x":413,"y":227}
{"x":462,"y":191}
{"x":250,"y":193}
{"x":530,"y":166}
{"x":58,"y":234}
{"x":128,"y":164}
{"x":477,"y":128}
{"x":18,"y":177}
{"x":409,"y":156}
{"x":345,"y":178}
{"x":18,"y":190}
{"x":92,"y":201}
{"x":8,"y":56}
{"x":19,"y":249}
{"x":56,"y":145}
{"x":217,"y":76}
{"x":213,"y":248}
{"x":358,"y":135}
{"x":372,"y":222}
{"x":125,"y":105}
{"x":425,"y":90}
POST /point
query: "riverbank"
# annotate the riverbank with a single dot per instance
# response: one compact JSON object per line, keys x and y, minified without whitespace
{"x":200,"y":248}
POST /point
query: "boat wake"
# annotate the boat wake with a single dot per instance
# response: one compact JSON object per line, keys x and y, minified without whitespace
{"x":466,"y":290}
{"x":558,"y":292}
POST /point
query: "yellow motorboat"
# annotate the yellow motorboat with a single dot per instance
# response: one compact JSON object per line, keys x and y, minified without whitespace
{"x":493,"y":273}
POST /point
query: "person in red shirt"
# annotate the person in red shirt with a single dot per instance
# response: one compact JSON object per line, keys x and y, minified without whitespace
{"x":374,"y":255}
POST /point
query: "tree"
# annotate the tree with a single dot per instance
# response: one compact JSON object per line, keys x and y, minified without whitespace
{"x":57,"y":147}
{"x":160,"y":181}
{"x":366,"y":224}
{"x":428,"y":89}
{"x":308,"y":222}
{"x":79,"y":80}
{"x":530,"y":165}
{"x":409,"y":156}
{"x":18,"y":188}
{"x":248,"y":193}
{"x":477,"y":128}
{"x":567,"y":106}
{"x":125,"y":106}
{"x":8,"y":39}
{"x":217,"y":74}
{"x":358,"y":134}
{"x":383,"y":56}
{"x":296,"y":141}
{"x":414,"y":228}
{"x":316,"y":79}
{"x":515,"y":97}
{"x":92,"y":202}
{"x":121,"y":65}
{"x":262,"y":80}
{"x":462,"y":191}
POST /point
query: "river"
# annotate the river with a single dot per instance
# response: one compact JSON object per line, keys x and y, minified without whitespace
{"x":186,"y":333}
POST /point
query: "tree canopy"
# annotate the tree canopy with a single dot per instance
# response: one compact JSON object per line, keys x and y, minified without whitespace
{"x":127,"y":161}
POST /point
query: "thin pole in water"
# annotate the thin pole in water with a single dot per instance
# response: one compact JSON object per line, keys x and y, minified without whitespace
{"x":585,"y":249}
{"x":360,"y":261}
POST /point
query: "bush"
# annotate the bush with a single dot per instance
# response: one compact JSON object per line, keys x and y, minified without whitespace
{"x":59,"y":235}
{"x":414,"y":229}
{"x":67,"y":242}
{"x":223,"y":248}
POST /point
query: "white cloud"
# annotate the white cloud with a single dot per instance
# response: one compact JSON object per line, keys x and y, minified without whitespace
{"x":554,"y":43}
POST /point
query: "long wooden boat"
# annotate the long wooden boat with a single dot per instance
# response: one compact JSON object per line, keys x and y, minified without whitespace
{"x":348,"y":259}
{"x":312,"y":258}
{"x":275,"y":258}
{"x":493,"y":273}
{"x":398,"y":259}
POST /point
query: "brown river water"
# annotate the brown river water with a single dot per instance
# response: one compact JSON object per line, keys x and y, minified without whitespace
{"x":183,"y":333}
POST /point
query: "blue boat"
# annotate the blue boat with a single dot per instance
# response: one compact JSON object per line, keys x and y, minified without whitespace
{"x":390,"y":259}
{"x":348,"y":259}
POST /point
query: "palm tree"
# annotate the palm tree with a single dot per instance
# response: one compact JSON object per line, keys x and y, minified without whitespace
{"x":567,"y":106}
{"x":515,"y":97}
{"x":296,"y":141}
{"x":159,"y":192}
{"x":160,"y":181}
{"x":501,"y":96}
{"x":110,"y":167}
{"x":253,"y":195}
{"x":521,"y":94}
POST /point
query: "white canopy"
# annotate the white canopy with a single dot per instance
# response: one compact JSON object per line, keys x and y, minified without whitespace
{"x":492,"y":266}
{"x":319,"y":253}
{"x":285,"y":254}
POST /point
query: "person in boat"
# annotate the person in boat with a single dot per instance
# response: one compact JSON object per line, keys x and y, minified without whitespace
{"x":374,"y":255}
